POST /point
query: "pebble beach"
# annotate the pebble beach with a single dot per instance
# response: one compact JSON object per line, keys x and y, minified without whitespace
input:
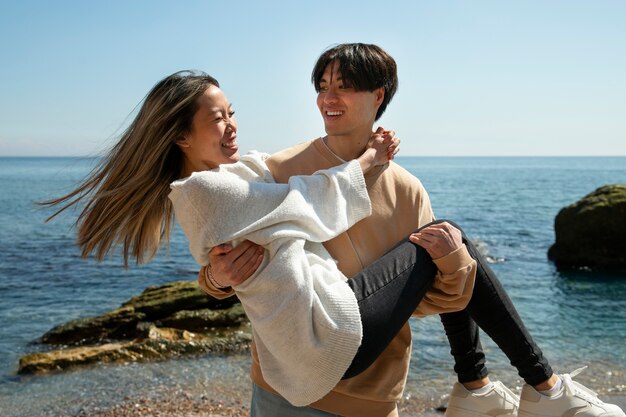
{"x":180,"y":403}
{"x":211,"y":386}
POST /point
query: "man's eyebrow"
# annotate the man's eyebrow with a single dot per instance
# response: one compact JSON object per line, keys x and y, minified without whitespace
{"x":323,"y":80}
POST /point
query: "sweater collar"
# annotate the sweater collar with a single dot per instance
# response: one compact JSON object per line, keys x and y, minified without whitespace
{"x":335,"y":160}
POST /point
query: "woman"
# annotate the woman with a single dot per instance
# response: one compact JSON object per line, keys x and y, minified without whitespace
{"x":184,"y":128}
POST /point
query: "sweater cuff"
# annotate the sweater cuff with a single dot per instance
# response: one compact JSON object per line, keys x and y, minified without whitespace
{"x":455,"y":260}
{"x":359,"y":205}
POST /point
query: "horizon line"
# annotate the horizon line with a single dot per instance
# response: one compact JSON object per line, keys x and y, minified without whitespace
{"x":399,"y":156}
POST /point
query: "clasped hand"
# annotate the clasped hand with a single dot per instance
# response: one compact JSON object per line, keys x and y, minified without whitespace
{"x":233,"y":265}
{"x":381,"y":148}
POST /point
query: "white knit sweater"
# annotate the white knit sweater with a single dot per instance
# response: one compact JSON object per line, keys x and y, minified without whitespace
{"x":304,"y":316}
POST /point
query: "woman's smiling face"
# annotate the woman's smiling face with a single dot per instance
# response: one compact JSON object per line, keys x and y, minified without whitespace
{"x":212,"y":139}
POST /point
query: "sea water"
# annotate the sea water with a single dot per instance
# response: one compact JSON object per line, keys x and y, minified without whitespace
{"x":507,"y":205}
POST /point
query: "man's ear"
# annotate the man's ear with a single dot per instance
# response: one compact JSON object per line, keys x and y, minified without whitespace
{"x":380,"y":95}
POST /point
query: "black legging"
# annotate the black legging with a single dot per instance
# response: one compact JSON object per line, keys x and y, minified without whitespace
{"x":491,"y":309}
{"x":389,"y":290}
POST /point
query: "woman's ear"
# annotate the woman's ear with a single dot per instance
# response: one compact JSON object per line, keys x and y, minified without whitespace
{"x":183,"y":142}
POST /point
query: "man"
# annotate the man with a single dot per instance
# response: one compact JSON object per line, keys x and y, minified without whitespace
{"x":355,"y":83}
{"x":349,"y":113}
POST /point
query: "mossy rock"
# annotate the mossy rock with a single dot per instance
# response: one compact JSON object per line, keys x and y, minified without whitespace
{"x":160,"y":301}
{"x":205,"y":319}
{"x":159,"y":345}
{"x":155,"y":303}
{"x":591,"y":233}
{"x":115,"y":325}
{"x":175,"y":319}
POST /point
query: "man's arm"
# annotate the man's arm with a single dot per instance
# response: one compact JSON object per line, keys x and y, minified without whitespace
{"x":229,"y":266}
{"x":454,"y":284}
{"x":439,"y":239}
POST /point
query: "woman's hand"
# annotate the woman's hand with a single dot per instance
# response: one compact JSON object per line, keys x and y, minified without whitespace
{"x":381,"y":148}
{"x":231,"y":266}
{"x":439,"y":239}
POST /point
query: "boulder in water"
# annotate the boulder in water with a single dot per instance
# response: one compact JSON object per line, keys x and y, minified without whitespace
{"x":591,"y":233}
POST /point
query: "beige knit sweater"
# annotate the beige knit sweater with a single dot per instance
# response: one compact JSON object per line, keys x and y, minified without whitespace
{"x":305,"y":318}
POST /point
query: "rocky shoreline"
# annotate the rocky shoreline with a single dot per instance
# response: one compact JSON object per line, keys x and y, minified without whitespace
{"x":172,"y":320}
{"x":175,"y":320}
{"x":178,"y":320}
{"x":190,"y":325}
{"x":180,"y":402}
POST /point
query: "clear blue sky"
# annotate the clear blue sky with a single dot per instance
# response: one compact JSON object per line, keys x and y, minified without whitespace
{"x":478,"y":77}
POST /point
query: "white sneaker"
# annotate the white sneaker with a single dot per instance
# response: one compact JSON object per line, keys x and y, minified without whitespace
{"x":574,"y":400}
{"x":499,"y":402}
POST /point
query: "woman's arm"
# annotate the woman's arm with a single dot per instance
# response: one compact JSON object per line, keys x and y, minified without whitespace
{"x":219,"y":207}
{"x":381,"y":148}
{"x":232,"y":269}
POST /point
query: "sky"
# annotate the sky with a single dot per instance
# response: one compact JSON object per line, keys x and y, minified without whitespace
{"x":477,"y":78}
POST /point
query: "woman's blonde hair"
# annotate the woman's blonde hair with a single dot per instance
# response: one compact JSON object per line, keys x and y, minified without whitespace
{"x":125,"y":195}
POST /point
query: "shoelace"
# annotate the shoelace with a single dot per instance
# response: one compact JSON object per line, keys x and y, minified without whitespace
{"x":573,"y":387}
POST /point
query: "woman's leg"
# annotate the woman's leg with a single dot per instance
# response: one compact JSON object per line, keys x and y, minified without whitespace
{"x":465,"y":347}
{"x":491,"y":309}
{"x":388,"y":292}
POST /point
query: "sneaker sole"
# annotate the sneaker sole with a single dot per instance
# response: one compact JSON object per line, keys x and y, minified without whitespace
{"x":461,"y":412}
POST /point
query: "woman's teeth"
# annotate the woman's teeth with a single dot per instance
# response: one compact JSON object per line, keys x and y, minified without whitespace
{"x":334,"y":113}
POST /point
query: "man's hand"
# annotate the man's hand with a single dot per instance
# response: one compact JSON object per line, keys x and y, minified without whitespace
{"x":439,"y":239}
{"x":232,"y":266}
